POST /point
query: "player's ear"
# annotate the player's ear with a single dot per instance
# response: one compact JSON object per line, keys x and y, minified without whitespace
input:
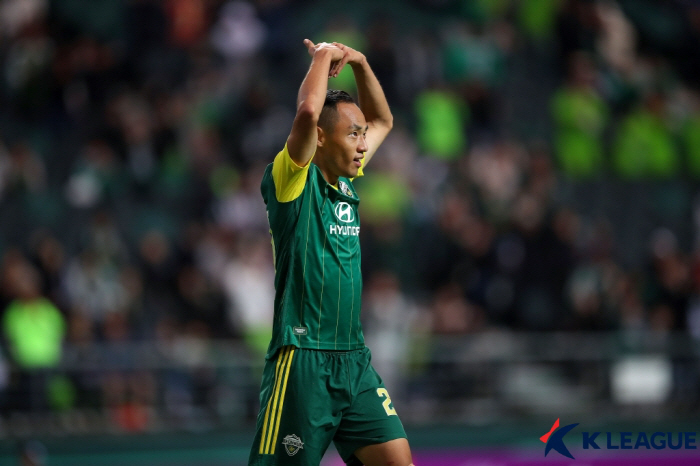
{"x":321,"y":137}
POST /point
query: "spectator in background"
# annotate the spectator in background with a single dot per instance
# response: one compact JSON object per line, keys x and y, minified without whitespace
{"x":577,"y":29}
{"x":581,"y":116}
{"x":670,"y":284}
{"x":617,"y":38}
{"x":545,"y":263}
{"x":96,"y":175}
{"x":5,"y":167}
{"x":497,"y":172}
{"x":21,"y":170}
{"x":690,"y":134}
{"x":344,"y":30}
{"x":644,"y":146}
{"x":4,"y":379}
{"x":474,"y":65}
{"x":17,"y":14}
{"x":34,"y":329}
{"x":693,"y":320}
{"x":160,"y":263}
{"x":388,"y":319}
{"x":380,"y":50}
{"x":92,"y":286}
{"x":238,"y":36}
{"x":28,"y":57}
{"x":126,"y":393}
{"x":537,"y":19}
{"x":188,"y":21}
{"x":264,"y":123}
{"x":441,"y":118}
{"x":248,"y":281}
{"x":239,"y":208}
{"x":136,"y":122}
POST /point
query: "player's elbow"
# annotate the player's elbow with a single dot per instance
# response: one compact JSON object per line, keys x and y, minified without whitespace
{"x":386,"y":123}
{"x":307,"y":113}
{"x":389,"y":122}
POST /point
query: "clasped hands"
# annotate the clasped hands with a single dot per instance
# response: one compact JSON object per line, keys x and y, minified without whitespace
{"x":341,"y":55}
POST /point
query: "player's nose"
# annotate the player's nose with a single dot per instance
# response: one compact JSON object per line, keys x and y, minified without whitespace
{"x":362,"y":146}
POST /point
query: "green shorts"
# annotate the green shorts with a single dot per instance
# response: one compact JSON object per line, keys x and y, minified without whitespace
{"x":310,"y":398}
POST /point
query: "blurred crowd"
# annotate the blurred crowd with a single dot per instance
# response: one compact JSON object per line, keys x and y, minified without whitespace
{"x":542,"y":173}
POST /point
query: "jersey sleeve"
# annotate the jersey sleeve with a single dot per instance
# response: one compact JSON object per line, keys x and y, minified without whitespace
{"x":289,"y":177}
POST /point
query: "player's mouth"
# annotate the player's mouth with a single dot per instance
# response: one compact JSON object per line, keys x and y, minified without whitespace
{"x":357,"y":162}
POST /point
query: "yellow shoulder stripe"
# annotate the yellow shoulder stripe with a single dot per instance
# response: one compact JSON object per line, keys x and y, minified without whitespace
{"x":289,"y":177}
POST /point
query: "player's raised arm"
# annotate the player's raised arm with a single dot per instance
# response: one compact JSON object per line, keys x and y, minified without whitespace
{"x":312,"y":94}
{"x":372,"y":100}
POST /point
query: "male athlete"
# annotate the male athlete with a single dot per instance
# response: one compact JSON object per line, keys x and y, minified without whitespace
{"x":318,"y":385}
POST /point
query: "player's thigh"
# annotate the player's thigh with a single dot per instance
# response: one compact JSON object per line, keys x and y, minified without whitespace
{"x":295,"y":424}
{"x":372,"y":419}
{"x":394,"y":452}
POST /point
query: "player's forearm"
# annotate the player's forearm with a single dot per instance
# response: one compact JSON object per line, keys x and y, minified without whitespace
{"x":371,"y":96}
{"x":312,"y":93}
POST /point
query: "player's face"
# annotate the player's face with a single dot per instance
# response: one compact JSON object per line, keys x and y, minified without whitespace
{"x":347,"y":144}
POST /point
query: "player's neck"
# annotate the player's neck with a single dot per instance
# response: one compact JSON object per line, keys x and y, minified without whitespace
{"x":330,"y":179}
{"x":328,"y":175}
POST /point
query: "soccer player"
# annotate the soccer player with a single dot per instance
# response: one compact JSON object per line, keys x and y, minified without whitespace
{"x":318,"y":384}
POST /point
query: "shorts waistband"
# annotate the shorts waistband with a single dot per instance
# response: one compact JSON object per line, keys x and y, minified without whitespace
{"x":335,"y":352}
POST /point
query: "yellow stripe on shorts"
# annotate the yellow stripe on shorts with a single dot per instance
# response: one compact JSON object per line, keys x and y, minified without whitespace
{"x":280,"y":357}
{"x":284,"y":390}
{"x":273,"y":413}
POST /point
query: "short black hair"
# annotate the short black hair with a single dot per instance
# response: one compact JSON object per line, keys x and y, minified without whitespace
{"x":329,"y":113}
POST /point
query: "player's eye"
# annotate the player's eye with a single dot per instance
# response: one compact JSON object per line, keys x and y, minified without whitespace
{"x":354,"y":133}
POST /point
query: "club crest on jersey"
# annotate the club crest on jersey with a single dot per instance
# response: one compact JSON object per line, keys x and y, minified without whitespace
{"x":344,"y":188}
{"x":292,"y":444}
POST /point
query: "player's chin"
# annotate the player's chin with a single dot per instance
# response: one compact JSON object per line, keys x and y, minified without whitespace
{"x":352,"y":172}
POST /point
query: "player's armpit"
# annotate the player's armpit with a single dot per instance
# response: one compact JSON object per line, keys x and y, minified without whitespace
{"x":289,"y":177}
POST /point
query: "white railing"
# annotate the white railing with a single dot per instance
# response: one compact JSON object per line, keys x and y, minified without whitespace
{"x":483,"y":377}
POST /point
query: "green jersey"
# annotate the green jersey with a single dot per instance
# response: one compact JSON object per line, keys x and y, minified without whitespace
{"x":316,"y":245}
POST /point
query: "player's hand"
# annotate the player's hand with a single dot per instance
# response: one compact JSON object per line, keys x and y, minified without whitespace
{"x":336,"y":52}
{"x":350,"y":55}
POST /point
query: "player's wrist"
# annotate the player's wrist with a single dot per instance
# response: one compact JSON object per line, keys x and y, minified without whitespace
{"x":323,"y":54}
{"x":359,"y":62}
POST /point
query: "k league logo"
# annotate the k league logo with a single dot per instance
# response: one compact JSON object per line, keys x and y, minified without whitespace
{"x":555,"y":439}
{"x":344,"y":212}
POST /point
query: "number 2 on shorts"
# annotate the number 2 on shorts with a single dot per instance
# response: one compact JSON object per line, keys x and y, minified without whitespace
{"x":382,"y":392}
